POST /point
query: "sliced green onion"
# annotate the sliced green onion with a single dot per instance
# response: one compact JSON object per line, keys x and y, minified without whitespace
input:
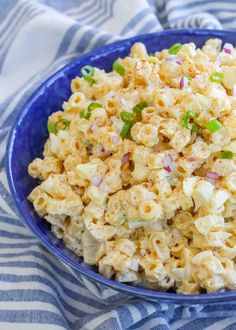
{"x":91,"y":107}
{"x":174,"y":49}
{"x":87,"y":72}
{"x":118,"y":68}
{"x":139,"y":108}
{"x":64,"y":122}
{"x":217,"y":77}
{"x":53,"y":127}
{"x":89,"y":79}
{"x":195,"y":127}
{"x":125,"y":131}
{"x":127,"y":117}
{"x":185,"y":121}
{"x":213,"y":126}
{"x":82,"y":114}
{"x":224,"y":154}
{"x":151,"y":54}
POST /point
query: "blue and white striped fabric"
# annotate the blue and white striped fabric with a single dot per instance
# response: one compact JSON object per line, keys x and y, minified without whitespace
{"x":36,"y":38}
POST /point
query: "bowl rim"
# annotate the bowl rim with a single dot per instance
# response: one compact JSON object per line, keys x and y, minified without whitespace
{"x":161,"y":296}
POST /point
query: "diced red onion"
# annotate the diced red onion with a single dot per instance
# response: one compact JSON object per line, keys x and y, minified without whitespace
{"x":167,"y":168}
{"x":191,"y":159}
{"x":125,"y":158}
{"x":115,"y":139}
{"x":96,"y":180}
{"x":93,"y":127}
{"x":169,"y":164}
{"x":217,"y":62}
{"x":183,"y":83}
{"x":178,"y":60}
{"x":228,"y":48}
{"x":111,"y":94}
{"x":174,"y":58}
{"x":104,"y":151}
{"x":122,"y":101}
{"x":211,"y":177}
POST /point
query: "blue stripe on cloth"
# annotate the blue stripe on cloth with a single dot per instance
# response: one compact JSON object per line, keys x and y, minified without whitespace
{"x":160,"y":327}
{"x":134,"y":21}
{"x":189,"y":4}
{"x":110,"y":6}
{"x":67,"y":276}
{"x":32,"y":316}
{"x":5,"y":195}
{"x":231,"y":326}
{"x":30,"y":295}
{"x":47,"y":287}
{"x":9,"y":220}
{"x":36,"y":265}
{"x":65,"y":43}
{"x":61,"y":5}
{"x":148,"y":26}
{"x":16,"y":235}
{"x":27,"y":18}
{"x":109,"y":324}
{"x":125,"y":317}
{"x":87,"y":11}
{"x":201,"y":323}
{"x":15,"y":24}
{"x":84,"y":9}
{"x":6,"y":7}
{"x":18,"y":245}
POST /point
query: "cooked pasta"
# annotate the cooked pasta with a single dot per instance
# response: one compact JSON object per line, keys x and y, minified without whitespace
{"x":138,"y":175}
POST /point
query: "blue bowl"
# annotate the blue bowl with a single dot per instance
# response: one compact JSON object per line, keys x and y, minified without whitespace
{"x":29,"y":134}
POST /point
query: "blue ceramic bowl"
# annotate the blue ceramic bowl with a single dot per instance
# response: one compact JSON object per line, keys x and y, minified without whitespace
{"x":29,"y":134}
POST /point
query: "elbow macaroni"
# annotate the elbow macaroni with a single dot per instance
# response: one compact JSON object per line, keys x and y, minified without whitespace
{"x":156,"y":204}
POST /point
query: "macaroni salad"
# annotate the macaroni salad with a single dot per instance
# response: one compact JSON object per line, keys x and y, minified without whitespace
{"x":138,"y":175}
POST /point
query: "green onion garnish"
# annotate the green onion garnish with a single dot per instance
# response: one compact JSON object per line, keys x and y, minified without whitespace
{"x":139,"y":108}
{"x":125,"y":130}
{"x":174,"y":49}
{"x":64,"y":122}
{"x":87,"y":72}
{"x":151,"y":54}
{"x":185,"y":121}
{"x":127,"y":117}
{"x":213,"y":125}
{"x":53,"y":127}
{"x":82,"y":114}
{"x":224,"y":154}
{"x":91,"y":107}
{"x":195,"y":128}
{"x":217,"y":77}
{"x":118,"y":68}
{"x":89,"y":79}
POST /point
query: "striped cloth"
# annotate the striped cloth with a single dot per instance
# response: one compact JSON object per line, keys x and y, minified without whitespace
{"x":36,"y":38}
